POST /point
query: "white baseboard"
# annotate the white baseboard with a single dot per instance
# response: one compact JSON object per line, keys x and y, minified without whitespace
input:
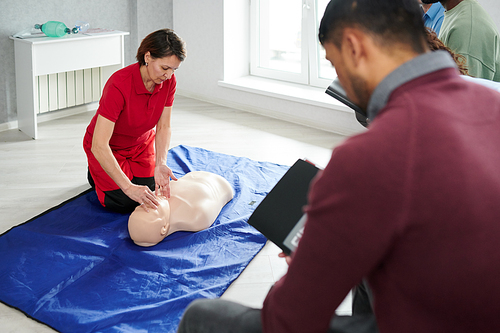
{"x":8,"y":125}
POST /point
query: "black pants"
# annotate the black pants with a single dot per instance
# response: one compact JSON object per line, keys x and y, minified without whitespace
{"x":220,"y":316}
{"x":118,"y":201}
{"x":362,"y":319}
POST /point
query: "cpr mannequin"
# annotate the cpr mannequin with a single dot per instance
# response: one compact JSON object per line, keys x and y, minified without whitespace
{"x":196,"y":200}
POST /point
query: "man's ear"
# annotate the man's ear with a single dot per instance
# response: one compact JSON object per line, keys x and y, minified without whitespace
{"x":353,"y":44}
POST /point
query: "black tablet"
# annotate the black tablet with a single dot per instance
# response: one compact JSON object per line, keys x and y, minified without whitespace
{"x":280,"y":216}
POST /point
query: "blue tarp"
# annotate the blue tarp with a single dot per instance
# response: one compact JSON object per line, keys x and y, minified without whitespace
{"x":75,"y":268}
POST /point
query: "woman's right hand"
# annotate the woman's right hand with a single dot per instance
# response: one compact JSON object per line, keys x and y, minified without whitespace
{"x":143,"y":195}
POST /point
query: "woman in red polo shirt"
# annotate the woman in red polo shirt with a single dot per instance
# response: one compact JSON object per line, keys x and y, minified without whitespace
{"x":126,"y":155}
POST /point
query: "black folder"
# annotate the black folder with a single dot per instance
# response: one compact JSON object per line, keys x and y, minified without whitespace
{"x":280,"y":216}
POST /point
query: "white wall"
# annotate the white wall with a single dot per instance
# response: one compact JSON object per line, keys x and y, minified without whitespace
{"x":147,"y":16}
{"x":200,"y":24}
{"x":206,"y":30}
{"x":493,"y":8}
{"x":218,"y":49}
{"x":21,"y":14}
{"x":138,"y":17}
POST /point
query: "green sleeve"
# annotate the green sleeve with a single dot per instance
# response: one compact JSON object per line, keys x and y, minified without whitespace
{"x":478,"y":69}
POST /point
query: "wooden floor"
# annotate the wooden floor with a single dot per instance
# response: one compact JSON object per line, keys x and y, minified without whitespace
{"x":36,"y":175}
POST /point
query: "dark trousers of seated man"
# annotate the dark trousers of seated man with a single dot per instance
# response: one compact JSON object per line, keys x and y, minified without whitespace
{"x":220,"y":316}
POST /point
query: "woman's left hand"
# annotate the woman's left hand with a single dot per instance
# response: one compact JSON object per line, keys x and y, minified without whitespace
{"x":162,"y":180}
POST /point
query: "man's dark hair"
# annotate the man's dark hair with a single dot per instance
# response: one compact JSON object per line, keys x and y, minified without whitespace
{"x":389,"y":21}
{"x":161,"y":43}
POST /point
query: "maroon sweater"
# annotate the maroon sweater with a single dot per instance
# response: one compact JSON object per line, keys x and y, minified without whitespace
{"x":413,"y":204}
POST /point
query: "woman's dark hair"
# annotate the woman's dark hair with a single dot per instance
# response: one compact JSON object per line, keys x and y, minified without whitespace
{"x":161,"y":43}
{"x":436,"y":44}
{"x":389,"y":21}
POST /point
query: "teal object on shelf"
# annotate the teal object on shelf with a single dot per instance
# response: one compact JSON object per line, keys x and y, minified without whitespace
{"x":53,"y":28}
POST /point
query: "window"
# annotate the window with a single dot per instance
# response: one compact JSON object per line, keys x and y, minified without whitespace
{"x":284,"y":42}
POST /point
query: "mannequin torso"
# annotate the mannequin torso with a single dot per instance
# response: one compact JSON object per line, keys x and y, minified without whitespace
{"x":195,"y":202}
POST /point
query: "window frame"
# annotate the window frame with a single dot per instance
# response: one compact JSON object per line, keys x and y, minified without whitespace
{"x":310,"y":48}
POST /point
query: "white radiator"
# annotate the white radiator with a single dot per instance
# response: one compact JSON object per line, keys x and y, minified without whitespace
{"x":63,"y":90}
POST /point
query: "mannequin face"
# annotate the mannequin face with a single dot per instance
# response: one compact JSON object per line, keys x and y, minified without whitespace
{"x":148,"y":229}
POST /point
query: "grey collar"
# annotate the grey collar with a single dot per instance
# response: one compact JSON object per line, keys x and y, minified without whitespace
{"x":421,"y":65}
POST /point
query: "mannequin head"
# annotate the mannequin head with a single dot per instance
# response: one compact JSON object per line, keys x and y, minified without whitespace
{"x":149,"y":228}
{"x":196,"y":200}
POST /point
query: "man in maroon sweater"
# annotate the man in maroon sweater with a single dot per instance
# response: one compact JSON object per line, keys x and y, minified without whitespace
{"x":411,"y":205}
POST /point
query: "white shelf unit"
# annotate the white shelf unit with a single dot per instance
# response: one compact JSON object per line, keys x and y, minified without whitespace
{"x":36,"y":57}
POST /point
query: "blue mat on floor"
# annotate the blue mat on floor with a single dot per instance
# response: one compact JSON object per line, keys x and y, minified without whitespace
{"x":75,"y":268}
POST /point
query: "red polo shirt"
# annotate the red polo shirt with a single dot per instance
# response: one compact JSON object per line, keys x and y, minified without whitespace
{"x":134,"y":110}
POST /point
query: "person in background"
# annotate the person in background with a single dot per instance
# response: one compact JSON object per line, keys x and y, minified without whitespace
{"x":126,"y":155}
{"x":470,"y":31}
{"x":426,"y":175}
{"x":436,"y":44}
{"x":433,"y":16}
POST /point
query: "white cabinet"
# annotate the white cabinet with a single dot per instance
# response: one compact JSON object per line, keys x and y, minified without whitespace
{"x":48,"y":55}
